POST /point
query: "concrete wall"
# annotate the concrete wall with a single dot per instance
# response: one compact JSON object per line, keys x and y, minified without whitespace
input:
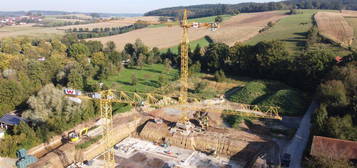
{"x":67,"y":154}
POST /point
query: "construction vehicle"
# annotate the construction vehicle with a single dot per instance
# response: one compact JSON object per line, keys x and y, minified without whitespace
{"x":73,"y":136}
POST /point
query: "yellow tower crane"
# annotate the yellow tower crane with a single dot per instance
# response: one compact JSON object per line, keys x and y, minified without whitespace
{"x":184,"y":53}
{"x":184,"y":59}
{"x":106,"y":112}
{"x":106,"y":98}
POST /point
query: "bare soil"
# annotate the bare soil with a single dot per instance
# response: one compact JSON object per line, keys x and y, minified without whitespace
{"x":114,"y":23}
{"x":238,"y":28}
{"x":244,"y":26}
{"x":334,"y":27}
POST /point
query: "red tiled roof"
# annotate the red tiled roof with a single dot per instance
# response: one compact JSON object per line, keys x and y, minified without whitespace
{"x":333,"y":148}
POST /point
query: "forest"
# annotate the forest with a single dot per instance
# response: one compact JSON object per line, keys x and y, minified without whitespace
{"x":233,"y":9}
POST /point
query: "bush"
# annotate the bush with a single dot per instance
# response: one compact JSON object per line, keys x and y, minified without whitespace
{"x":290,"y":102}
{"x":134,"y":79}
{"x":200,"y":87}
{"x":220,"y":76}
{"x":233,"y":120}
{"x":88,"y":143}
{"x":323,"y":162}
{"x":248,"y":94}
{"x":266,"y":93}
{"x":218,"y":19}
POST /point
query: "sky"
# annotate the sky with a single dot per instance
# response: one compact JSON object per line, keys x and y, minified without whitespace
{"x":106,"y":6}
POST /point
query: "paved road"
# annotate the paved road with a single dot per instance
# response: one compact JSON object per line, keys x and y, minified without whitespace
{"x":298,"y":143}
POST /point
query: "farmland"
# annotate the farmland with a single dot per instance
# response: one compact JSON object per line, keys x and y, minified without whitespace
{"x":353,"y":22}
{"x":29,"y":30}
{"x":47,"y":32}
{"x":237,"y":28}
{"x":114,"y":23}
{"x":244,"y":26}
{"x":292,"y":31}
{"x":333,"y":26}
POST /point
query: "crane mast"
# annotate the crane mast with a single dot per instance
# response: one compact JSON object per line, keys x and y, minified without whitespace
{"x":106,"y":112}
{"x":184,"y":59}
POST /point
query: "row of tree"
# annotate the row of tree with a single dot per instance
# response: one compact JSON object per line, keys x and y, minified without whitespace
{"x":84,"y":33}
{"x":197,"y":11}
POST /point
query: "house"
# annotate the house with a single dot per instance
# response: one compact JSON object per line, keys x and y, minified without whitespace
{"x":8,"y":120}
{"x":334,"y":148}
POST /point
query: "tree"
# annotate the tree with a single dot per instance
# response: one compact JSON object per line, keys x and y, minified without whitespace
{"x":341,"y":128}
{"x":315,"y":63}
{"x":51,"y":107}
{"x":323,"y":162}
{"x":215,"y":57}
{"x":220,"y":76}
{"x":200,"y":87}
{"x":99,"y":59}
{"x":163,"y":19}
{"x":75,"y":78}
{"x":5,"y":60}
{"x":110,"y":46}
{"x":333,"y":93}
{"x":11,"y":95}
{"x":196,"y":55}
{"x":156,"y":54}
{"x":140,"y":61}
{"x":26,"y":131}
{"x":95,"y":15}
{"x":94,"y":46}
{"x":134,"y":80}
{"x":167,"y":64}
{"x":78,"y":51}
{"x":270,"y":57}
{"x":162,"y":80}
{"x":129,"y":49}
{"x":115,"y":57}
{"x":218,"y":19}
{"x":320,"y":119}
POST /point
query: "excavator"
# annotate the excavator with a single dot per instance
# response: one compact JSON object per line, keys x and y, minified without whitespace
{"x":73,"y":136}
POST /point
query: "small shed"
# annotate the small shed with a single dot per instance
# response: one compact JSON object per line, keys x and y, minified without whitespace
{"x":9,"y":120}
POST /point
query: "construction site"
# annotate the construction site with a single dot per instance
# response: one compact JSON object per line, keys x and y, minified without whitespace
{"x":162,"y":131}
{"x":166,"y":138}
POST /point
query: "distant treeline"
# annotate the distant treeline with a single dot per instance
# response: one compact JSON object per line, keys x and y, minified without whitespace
{"x":85,"y":33}
{"x":222,"y":9}
{"x":63,"y":23}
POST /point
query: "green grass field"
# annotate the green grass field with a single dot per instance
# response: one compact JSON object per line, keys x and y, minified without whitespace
{"x":147,"y":78}
{"x":203,"y":42}
{"x":291,"y":30}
